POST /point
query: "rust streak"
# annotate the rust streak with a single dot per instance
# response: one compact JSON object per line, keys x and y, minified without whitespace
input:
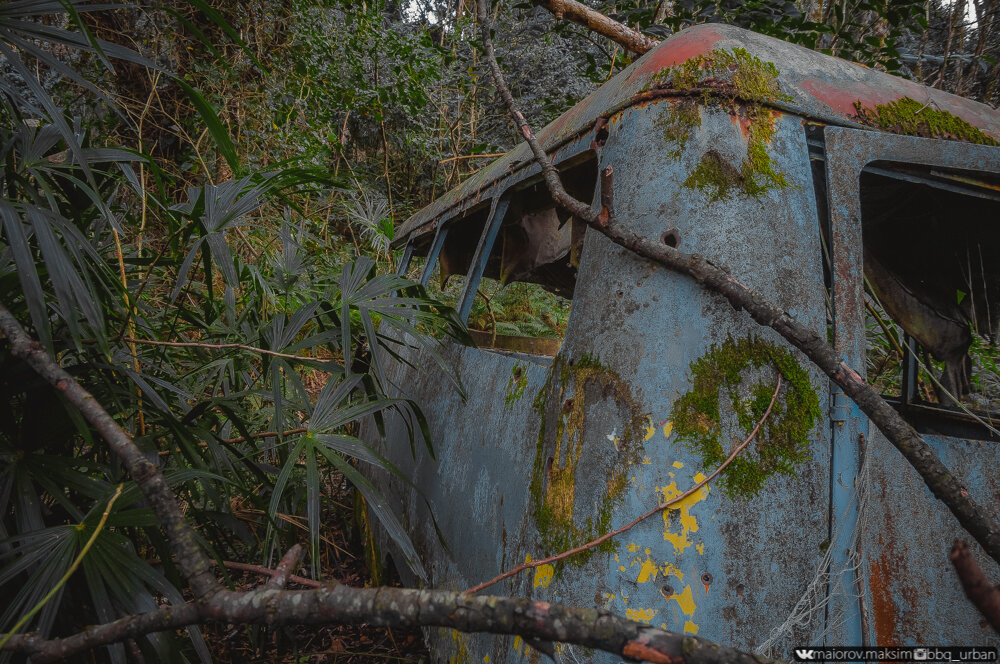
{"x":640,"y":651}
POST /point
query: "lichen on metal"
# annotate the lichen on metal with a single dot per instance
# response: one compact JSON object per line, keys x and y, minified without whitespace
{"x":553,"y":486}
{"x":783,"y":440}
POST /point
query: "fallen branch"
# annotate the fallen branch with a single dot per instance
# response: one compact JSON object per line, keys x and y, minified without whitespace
{"x":656,"y":510}
{"x":398,"y":607}
{"x":983,"y":595}
{"x":579,"y":13}
{"x":265,"y":571}
{"x":945,"y":486}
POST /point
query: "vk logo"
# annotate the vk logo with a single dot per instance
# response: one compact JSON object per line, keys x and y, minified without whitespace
{"x":801,"y":654}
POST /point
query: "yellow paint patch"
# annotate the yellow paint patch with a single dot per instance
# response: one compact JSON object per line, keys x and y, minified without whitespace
{"x":668,"y":428}
{"x":632,"y":547}
{"x":688,"y":522}
{"x":621,"y":568}
{"x":543,"y":575}
{"x":641,"y":615}
{"x":650,"y":430}
{"x":690,"y":627}
{"x":669,"y":568}
{"x":701,"y":548}
{"x":647,"y":571}
{"x":486,"y":659}
{"x":685,"y":600}
{"x":678,"y":464}
{"x":646,"y":461}
{"x":521,"y":647}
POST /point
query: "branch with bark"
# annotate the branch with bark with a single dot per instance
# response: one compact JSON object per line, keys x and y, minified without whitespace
{"x":984,"y":595}
{"x":577,"y":12}
{"x":942,"y":483}
{"x":273,"y":605}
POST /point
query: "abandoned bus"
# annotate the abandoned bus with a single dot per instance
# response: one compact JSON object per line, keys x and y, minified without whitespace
{"x":867,"y":206}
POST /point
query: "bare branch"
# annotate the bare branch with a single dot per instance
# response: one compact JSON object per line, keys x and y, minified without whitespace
{"x":983,"y":595}
{"x":942,"y":483}
{"x":656,"y":510}
{"x":577,"y":12}
{"x":260,"y":569}
{"x":341,"y":605}
{"x":285,"y":567}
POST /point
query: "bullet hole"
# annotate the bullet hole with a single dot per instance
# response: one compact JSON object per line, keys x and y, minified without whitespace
{"x":568,"y":405}
{"x":667,"y":591}
{"x":671,"y":237}
{"x":706,"y":578}
{"x":739,"y":590}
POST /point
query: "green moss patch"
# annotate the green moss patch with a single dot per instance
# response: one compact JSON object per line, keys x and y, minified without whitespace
{"x":746,"y":86}
{"x":782,"y":442}
{"x":677,"y":123}
{"x":515,"y":386}
{"x":909,"y":117}
{"x":562,"y":405}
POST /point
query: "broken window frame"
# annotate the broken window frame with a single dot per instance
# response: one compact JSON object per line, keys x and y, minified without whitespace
{"x":499,"y":205}
{"x":846,"y":154}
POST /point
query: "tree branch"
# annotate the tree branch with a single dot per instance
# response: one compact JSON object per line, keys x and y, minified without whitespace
{"x":983,"y":595}
{"x":579,"y":13}
{"x":343,"y":605}
{"x":285,"y":567}
{"x":945,"y":486}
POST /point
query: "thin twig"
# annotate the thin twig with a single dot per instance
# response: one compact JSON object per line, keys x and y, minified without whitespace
{"x":198,"y":344}
{"x":267,"y":571}
{"x":659,"y":508}
{"x":473,"y":156}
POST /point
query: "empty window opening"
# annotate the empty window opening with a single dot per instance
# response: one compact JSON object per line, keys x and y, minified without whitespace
{"x":522,"y":304}
{"x":454,"y":256}
{"x":932,"y":287}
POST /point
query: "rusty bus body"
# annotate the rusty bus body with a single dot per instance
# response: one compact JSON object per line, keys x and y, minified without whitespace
{"x":769,"y":159}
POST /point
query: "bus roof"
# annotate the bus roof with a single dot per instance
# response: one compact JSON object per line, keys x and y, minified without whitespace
{"x":813,"y":85}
